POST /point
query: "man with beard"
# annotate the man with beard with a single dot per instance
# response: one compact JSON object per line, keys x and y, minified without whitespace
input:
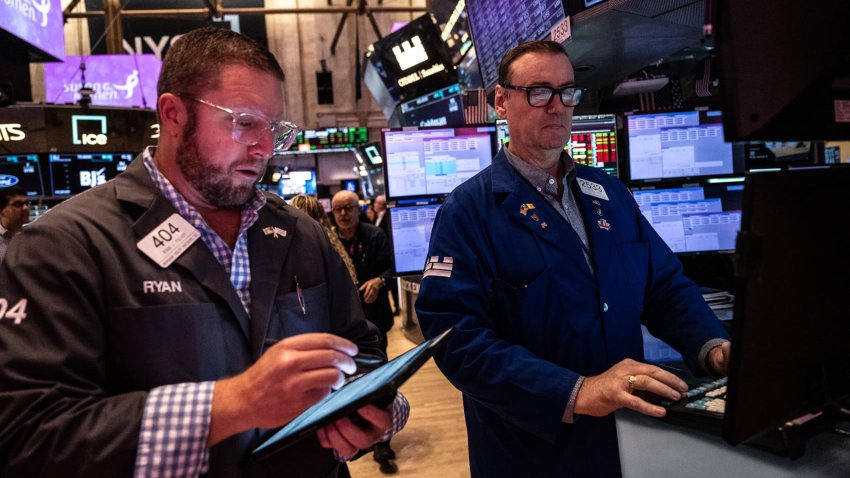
{"x":186,"y":313}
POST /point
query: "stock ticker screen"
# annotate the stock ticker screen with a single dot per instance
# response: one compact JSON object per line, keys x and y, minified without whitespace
{"x":21,"y":170}
{"x":498,"y":26}
{"x":333,"y":139}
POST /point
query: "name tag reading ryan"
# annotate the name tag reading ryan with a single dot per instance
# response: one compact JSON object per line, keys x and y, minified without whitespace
{"x":169,"y":240}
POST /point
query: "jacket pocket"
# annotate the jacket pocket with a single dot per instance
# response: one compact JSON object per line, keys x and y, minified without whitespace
{"x":295,"y":315}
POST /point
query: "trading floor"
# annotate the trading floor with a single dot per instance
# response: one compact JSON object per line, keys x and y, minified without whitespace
{"x":433,"y":444}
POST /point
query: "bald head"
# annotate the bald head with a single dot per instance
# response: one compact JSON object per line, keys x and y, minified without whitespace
{"x":346,"y":211}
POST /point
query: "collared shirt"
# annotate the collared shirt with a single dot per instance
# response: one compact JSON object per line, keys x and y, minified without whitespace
{"x":547,"y":186}
{"x":236,"y":262}
{"x":176,"y":418}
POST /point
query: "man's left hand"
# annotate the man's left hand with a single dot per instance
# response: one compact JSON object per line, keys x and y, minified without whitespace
{"x":718,"y":357}
{"x":347,"y":438}
{"x":370,"y":289}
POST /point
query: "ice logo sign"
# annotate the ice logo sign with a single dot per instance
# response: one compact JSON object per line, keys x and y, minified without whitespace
{"x":90,"y":179}
{"x":130,"y":84}
{"x":43,"y":7}
{"x":79,"y":124}
{"x":410,"y":53}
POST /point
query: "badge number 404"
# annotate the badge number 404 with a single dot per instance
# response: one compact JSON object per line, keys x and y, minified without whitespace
{"x":17,"y":312}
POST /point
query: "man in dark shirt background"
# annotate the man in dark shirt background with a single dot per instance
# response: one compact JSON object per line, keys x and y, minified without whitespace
{"x":369,"y":249}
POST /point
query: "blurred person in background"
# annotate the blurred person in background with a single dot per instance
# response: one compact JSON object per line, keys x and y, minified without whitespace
{"x":314,"y":209}
{"x":14,"y":213}
{"x":369,"y":249}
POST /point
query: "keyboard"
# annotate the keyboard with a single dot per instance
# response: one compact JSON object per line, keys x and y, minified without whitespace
{"x":701,"y":407}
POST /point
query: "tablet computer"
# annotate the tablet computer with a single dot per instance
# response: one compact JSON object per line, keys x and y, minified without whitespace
{"x":377,"y":387}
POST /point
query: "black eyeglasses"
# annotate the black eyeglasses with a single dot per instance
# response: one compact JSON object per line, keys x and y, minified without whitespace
{"x":249,"y":129}
{"x":19,"y":204}
{"x":341,"y":209}
{"x":541,"y":96}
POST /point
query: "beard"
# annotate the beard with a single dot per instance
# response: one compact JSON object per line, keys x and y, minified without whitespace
{"x":214,"y":183}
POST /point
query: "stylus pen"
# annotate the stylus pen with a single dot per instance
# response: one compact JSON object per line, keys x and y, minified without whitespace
{"x":358,"y":359}
{"x":364,"y":360}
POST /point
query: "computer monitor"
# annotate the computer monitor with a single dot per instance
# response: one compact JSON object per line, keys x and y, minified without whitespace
{"x":498,"y":26}
{"x":73,"y":173}
{"x":835,"y":152}
{"x":438,"y":108}
{"x":410,"y":232}
{"x":698,"y":218}
{"x":777,"y":154}
{"x":21,"y":170}
{"x":593,"y":140}
{"x":780,"y":83}
{"x":791,"y":330}
{"x":678,"y":144}
{"x":295,"y":182}
{"x":433,"y":161}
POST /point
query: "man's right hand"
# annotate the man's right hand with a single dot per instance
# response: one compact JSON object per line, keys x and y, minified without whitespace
{"x":603,"y":394}
{"x":288,"y":378}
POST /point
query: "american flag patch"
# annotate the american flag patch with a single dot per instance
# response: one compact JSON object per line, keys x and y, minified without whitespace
{"x":434,"y":266}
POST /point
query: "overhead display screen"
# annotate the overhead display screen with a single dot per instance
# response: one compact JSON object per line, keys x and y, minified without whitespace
{"x":117,"y":80}
{"x":38,"y":23}
{"x":498,"y":26}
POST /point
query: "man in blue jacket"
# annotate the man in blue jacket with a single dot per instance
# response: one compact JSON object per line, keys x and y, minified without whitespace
{"x":546,"y":269}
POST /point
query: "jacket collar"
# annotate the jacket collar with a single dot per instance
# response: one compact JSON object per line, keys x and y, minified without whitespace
{"x":149,"y":208}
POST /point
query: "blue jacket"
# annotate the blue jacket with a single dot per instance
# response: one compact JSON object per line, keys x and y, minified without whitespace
{"x":531,"y":317}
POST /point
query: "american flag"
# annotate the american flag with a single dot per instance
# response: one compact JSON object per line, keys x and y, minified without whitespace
{"x":475,"y":106}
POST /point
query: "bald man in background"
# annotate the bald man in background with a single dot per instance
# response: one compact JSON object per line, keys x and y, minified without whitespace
{"x":369,"y":249}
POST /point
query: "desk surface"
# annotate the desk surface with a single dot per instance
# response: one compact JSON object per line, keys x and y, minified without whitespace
{"x":652,"y":448}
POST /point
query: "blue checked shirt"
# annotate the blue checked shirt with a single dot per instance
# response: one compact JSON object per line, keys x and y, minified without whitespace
{"x":176,"y":418}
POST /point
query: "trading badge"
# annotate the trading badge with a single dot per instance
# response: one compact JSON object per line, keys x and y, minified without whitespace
{"x":525,"y":208}
{"x":603,"y":224}
{"x":534,"y":217}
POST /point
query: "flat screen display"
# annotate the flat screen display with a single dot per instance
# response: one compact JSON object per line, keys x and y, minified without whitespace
{"x":694,"y":219}
{"x":21,"y":170}
{"x":410,"y":231}
{"x":593,"y":140}
{"x":330,"y":139}
{"x":297,"y":182}
{"x":73,"y":173}
{"x":428,"y":162}
{"x":498,"y":26}
{"x":440,"y":108}
{"x":777,"y":154}
{"x":37,"y":22}
{"x":117,"y":80}
{"x":681,"y":144}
